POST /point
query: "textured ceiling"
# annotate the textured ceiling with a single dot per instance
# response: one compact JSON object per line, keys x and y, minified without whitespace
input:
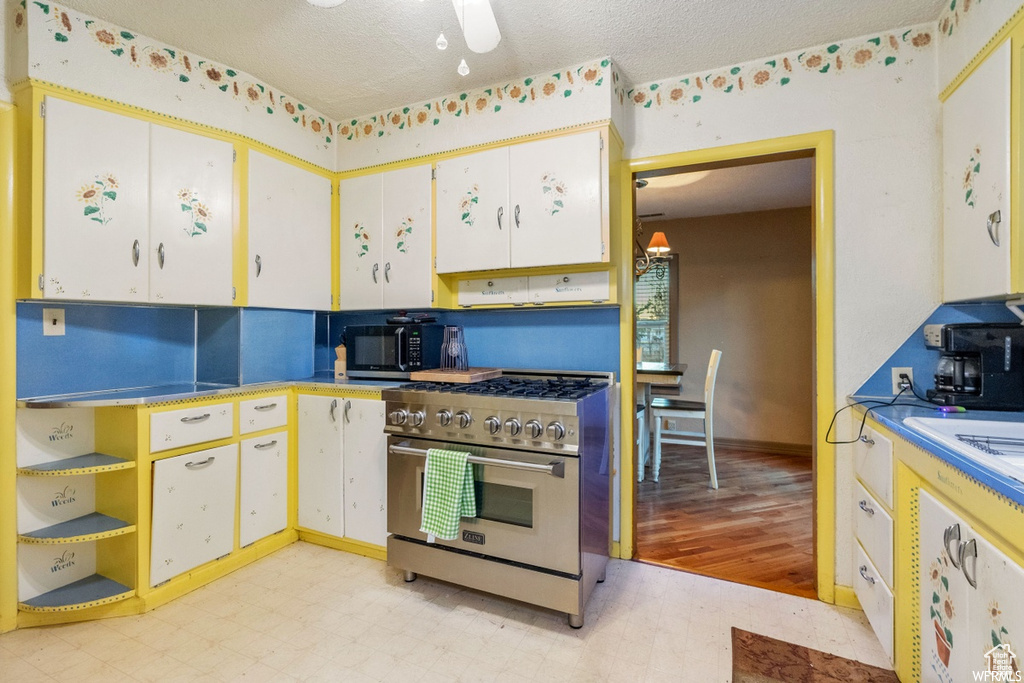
{"x":738,"y":189}
{"x":369,"y":55}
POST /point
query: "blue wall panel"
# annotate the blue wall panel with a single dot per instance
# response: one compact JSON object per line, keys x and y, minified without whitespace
{"x":914,"y":354}
{"x":534,"y":338}
{"x":217,"y":345}
{"x":105,"y":347}
{"x":276,"y":345}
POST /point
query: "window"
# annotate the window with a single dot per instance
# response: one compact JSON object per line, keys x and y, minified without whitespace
{"x":654,"y":303}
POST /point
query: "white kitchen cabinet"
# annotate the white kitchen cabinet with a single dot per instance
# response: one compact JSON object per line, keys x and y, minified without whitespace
{"x":194,"y":506}
{"x":264,"y":412}
{"x":472,"y":212}
{"x":385,"y":247}
{"x":493,"y":291}
{"x":321,"y":491}
{"x":134,"y":211}
{"x":365,"y":470}
{"x":971,"y":600}
{"x":95,"y":204}
{"x":289,"y":235}
{"x":263,"y":490}
{"x":976,"y":182}
{"x":539,"y":203}
{"x":191,"y":218}
{"x":187,"y":426}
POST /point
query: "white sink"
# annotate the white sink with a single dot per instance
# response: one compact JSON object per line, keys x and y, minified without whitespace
{"x":999,"y":445}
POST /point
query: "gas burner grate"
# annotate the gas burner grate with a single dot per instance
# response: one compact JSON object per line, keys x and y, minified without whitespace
{"x":559,"y":388}
{"x":993,"y":445}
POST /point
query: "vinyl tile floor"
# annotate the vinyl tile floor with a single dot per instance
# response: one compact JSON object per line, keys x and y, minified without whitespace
{"x":312,"y":613}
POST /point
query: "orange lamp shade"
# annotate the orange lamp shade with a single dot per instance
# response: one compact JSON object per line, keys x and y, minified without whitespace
{"x":658,"y":245}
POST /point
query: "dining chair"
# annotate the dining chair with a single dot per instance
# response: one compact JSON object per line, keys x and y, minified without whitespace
{"x":673,"y":409}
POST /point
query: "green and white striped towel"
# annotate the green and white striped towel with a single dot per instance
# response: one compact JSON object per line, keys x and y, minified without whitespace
{"x":448,"y":493}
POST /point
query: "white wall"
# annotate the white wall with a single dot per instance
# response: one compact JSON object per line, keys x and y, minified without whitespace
{"x":7,"y":11}
{"x":964,"y":29}
{"x":743,"y":286}
{"x":885,"y":114}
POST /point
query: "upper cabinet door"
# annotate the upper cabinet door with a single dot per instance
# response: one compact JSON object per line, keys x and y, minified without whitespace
{"x":406,"y":238}
{"x":289,"y":236}
{"x":95,"y":204}
{"x":191,"y":218}
{"x":361,"y":257}
{"x":976,"y":182}
{"x":556,"y":201}
{"x":473,"y":220}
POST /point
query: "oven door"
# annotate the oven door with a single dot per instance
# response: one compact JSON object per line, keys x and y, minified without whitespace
{"x":527,"y":503}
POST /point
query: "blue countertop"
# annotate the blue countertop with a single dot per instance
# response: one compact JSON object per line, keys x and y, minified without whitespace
{"x":892,"y":416}
{"x":177,"y":392}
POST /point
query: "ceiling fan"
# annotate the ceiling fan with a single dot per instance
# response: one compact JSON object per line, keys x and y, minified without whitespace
{"x":476,"y":19}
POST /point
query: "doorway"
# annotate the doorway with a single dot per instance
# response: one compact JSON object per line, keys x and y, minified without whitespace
{"x":810,"y":471}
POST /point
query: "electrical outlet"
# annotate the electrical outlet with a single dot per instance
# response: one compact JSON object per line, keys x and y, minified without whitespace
{"x":53,"y":322}
{"x":897,"y":383}
{"x":933,"y":335}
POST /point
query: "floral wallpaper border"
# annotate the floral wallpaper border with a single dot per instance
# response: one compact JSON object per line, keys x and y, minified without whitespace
{"x":833,"y":59}
{"x":950,"y":18}
{"x":175,"y":65}
{"x":561,"y":84}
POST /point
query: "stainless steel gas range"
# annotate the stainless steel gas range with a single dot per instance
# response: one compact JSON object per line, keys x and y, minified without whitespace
{"x":539,"y":442}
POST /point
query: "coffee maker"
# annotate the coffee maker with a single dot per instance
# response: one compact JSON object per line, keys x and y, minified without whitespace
{"x":982,"y":367}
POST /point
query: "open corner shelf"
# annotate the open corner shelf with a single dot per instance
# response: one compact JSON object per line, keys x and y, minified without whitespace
{"x":90,"y":463}
{"x":91,"y":591}
{"x":91,"y":527}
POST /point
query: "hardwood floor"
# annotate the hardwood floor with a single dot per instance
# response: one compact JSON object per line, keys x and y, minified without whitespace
{"x":756,"y":529}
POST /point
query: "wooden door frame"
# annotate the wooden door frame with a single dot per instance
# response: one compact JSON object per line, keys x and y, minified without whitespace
{"x":819,"y":145}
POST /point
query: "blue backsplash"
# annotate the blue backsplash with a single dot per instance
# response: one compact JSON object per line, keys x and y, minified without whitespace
{"x":585,"y":338}
{"x":276,"y":344}
{"x":104,"y":347}
{"x":914,"y":354}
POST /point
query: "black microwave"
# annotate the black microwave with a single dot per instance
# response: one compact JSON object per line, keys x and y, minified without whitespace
{"x":392,"y":351}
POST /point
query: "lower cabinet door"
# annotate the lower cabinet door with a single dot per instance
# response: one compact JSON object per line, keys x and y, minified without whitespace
{"x":263,"y":497}
{"x":321,"y":496}
{"x":365,"y":471}
{"x":194,"y":504}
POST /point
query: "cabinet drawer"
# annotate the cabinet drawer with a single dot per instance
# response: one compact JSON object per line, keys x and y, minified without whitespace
{"x":875,"y":599}
{"x":569,"y":287}
{"x":491,"y":291}
{"x":176,"y":428}
{"x":874,"y":529}
{"x":194,"y":503}
{"x":263,"y":499}
{"x":265,"y":412}
{"x":872,"y":461}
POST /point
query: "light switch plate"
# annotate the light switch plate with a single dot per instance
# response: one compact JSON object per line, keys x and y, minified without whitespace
{"x":53,"y":322}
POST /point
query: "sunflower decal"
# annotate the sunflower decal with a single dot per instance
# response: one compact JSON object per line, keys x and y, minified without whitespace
{"x":198,"y":213}
{"x":554,"y":191}
{"x":363,"y":238}
{"x":403,"y":234}
{"x":96,"y":196}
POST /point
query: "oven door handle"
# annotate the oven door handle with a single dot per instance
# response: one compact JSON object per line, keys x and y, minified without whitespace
{"x":556,"y":468}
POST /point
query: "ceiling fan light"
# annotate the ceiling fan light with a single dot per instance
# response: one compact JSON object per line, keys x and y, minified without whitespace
{"x":442,"y":42}
{"x":325,"y":3}
{"x":463,"y":67}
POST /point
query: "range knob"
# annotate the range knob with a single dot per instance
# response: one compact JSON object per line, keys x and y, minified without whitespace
{"x":556,"y":431}
{"x":535,"y":429}
{"x":465,"y":419}
{"x":416,"y":418}
{"x":513,"y":427}
{"x":493,"y":424}
{"x":444,"y":417}
{"x":397,"y":417}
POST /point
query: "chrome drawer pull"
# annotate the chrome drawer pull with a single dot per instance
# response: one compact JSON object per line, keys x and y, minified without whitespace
{"x":334,"y":407}
{"x":135,"y":253}
{"x":265,"y":446}
{"x":194,"y":465}
{"x":348,"y":407}
{"x":197,"y":418}
{"x":952,"y":533}
{"x":863,"y":505}
{"x":556,"y":468}
{"x":501,"y":211}
{"x":865,"y":439}
{"x":864,"y":574}
{"x":969,"y":550}
{"x":259,"y":265}
{"x":269,"y":406}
